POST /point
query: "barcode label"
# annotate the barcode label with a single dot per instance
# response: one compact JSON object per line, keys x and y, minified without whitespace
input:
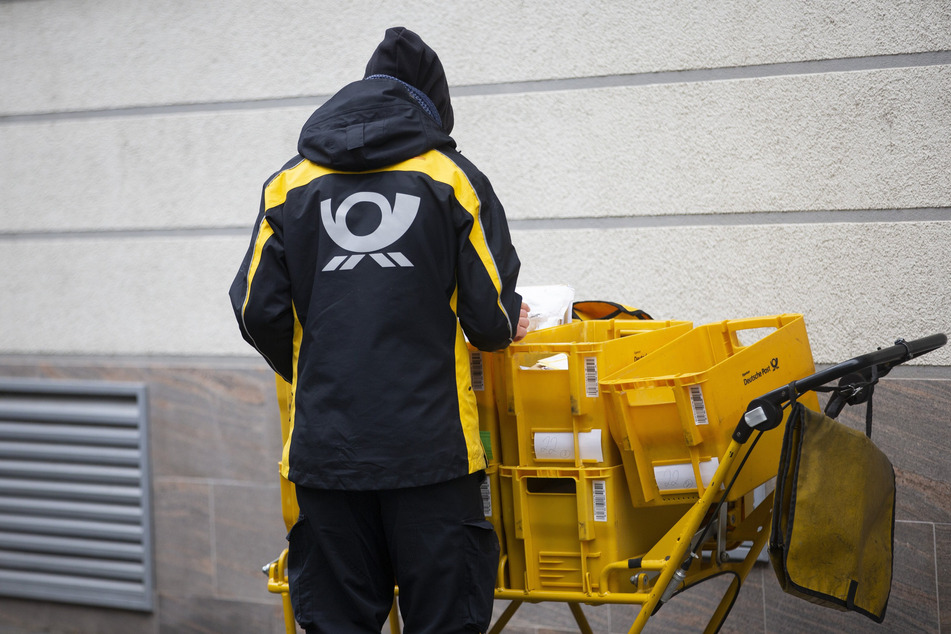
{"x":486,"y":498}
{"x":475,"y":367}
{"x":600,"y":501}
{"x":591,"y":377}
{"x":699,"y":409}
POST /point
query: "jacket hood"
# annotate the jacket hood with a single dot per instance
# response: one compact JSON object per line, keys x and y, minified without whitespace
{"x":370,"y":124}
{"x":404,"y":55}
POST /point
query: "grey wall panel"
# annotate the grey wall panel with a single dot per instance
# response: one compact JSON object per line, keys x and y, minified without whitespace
{"x":836,"y":273}
{"x":832,"y":273}
{"x":150,"y":295}
{"x":194,"y":170}
{"x":818,"y":142}
{"x":77,"y":55}
{"x":839,"y":141}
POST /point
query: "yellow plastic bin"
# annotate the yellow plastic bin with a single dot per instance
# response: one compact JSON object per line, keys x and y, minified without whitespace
{"x":563,"y":526}
{"x":552,"y":380}
{"x":484,"y":369}
{"x":289,"y":508}
{"x":673,"y":412}
{"x":492,"y":506}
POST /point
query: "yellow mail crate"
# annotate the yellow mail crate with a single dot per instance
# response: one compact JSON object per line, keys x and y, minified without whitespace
{"x":564,"y":525}
{"x":550,"y":389}
{"x":485,"y":370}
{"x":673,"y":412}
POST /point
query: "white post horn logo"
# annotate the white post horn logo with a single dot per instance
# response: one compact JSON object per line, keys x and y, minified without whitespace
{"x":393,"y":224}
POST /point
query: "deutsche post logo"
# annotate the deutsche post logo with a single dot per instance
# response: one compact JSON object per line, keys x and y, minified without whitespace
{"x":394,"y":222}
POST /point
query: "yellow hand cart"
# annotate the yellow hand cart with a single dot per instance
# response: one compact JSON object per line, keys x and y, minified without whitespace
{"x":692,"y":547}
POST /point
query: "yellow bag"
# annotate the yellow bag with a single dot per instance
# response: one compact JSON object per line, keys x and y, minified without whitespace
{"x":833,"y":518}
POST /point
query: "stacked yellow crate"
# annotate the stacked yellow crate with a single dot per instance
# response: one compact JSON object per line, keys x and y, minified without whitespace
{"x":566,"y":507}
{"x":485,"y":370}
{"x":672,"y":414}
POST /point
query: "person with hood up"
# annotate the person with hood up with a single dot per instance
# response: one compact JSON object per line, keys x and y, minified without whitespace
{"x":377,"y":252}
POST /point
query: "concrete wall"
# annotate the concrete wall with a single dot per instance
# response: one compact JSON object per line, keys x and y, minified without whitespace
{"x":702,"y":161}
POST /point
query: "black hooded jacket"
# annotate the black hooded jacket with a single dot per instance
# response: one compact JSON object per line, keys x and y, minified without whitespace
{"x":374,"y":250}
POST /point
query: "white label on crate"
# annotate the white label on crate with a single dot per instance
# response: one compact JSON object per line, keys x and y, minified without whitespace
{"x":600,"y":500}
{"x":475,"y":367}
{"x":699,"y":409}
{"x":675,"y":477}
{"x":561,"y":445}
{"x":486,"y":498}
{"x":591,"y":377}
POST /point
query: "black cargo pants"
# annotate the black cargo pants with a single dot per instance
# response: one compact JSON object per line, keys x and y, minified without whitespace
{"x":349,"y":548}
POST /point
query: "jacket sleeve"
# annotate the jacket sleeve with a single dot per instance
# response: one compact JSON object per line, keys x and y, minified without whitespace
{"x":261,"y":295}
{"x":488,"y":306}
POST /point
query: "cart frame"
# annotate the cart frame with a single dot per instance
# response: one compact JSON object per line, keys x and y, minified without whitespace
{"x":694,"y":549}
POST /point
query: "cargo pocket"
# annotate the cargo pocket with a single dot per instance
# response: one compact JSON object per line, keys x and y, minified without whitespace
{"x":300,"y":547}
{"x":482,"y":562}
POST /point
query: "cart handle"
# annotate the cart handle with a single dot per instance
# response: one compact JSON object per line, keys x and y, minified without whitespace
{"x":766,"y":412}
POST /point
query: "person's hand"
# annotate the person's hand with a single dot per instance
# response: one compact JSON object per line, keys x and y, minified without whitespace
{"x":522,"y":329}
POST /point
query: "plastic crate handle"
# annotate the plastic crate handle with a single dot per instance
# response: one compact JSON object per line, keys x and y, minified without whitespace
{"x":734,"y":326}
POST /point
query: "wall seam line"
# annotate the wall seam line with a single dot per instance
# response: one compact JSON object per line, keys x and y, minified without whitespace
{"x":650,"y":78}
{"x":820,"y":216}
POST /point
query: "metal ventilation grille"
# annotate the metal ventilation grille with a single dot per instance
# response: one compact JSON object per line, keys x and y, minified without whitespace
{"x":74,"y":493}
